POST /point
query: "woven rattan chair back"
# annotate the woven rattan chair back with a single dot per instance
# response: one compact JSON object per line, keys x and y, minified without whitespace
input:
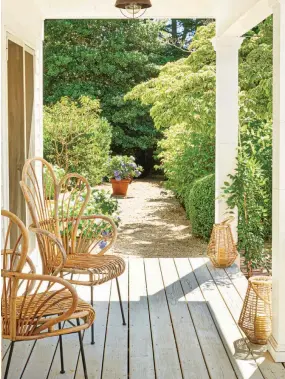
{"x":56,"y":205}
{"x":14,"y":251}
{"x":27,"y":297}
{"x":14,"y":260}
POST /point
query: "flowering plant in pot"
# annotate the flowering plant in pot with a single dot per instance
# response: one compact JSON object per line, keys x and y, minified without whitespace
{"x":121,"y":171}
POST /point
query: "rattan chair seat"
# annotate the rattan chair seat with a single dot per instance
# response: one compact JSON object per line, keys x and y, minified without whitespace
{"x":100,"y":267}
{"x":36,"y":307}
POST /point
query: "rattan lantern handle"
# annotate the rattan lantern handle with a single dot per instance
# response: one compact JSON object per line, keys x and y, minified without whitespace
{"x":228,"y":220}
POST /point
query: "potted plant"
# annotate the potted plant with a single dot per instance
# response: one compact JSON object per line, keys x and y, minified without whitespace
{"x":121,"y":171}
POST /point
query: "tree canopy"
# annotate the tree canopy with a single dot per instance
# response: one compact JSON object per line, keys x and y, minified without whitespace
{"x":76,"y":138}
{"x":104,"y":59}
{"x":182,"y":101}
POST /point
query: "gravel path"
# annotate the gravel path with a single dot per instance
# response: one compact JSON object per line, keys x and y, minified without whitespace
{"x":154,"y":224}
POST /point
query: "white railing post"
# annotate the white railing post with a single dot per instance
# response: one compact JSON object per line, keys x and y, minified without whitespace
{"x":227,"y":116}
{"x":277,"y":340}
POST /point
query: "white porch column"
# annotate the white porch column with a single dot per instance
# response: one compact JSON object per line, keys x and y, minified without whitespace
{"x":227,"y":114}
{"x":277,"y":341}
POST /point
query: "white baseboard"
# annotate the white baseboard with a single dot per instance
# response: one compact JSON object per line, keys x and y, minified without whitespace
{"x":277,"y":351}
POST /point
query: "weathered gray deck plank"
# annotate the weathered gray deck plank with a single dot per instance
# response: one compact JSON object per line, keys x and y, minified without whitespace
{"x":245,"y":368}
{"x":115,"y":364}
{"x":215,"y":356}
{"x":140,"y":342}
{"x":94,"y":353}
{"x":165,"y":353}
{"x":191,"y":357}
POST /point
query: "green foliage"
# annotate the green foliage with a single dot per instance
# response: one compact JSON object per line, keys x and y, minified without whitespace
{"x":186,"y":155}
{"x":250,"y":189}
{"x":255,"y":74}
{"x":76,"y":138}
{"x":184,"y":91}
{"x":102,"y":203}
{"x":200,"y":206}
{"x":182,"y":100}
{"x":247,"y":192}
{"x":180,"y":32}
{"x":49,"y":183}
{"x":104,"y":59}
{"x":120,"y":63}
{"x":123,"y":167}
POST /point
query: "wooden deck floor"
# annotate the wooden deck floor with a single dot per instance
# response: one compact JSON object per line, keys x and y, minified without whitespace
{"x":182,"y":316}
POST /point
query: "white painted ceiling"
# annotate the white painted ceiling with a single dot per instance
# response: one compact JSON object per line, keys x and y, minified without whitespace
{"x":233,"y":16}
{"x":160,"y":8}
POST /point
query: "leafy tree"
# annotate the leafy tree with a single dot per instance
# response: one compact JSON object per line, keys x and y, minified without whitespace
{"x":182,"y":101}
{"x":180,"y":32}
{"x":104,"y":59}
{"x":76,"y":138}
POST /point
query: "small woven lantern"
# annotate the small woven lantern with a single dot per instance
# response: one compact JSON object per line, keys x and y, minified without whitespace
{"x":222,"y":249}
{"x":256,"y":315}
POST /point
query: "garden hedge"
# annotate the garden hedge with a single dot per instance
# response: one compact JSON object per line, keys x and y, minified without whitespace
{"x":200,"y":206}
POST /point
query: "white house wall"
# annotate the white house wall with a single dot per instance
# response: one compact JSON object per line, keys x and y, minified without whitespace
{"x":23,"y":22}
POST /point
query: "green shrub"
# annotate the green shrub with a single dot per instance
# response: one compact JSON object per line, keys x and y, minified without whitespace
{"x":48,"y":181}
{"x":248,"y":191}
{"x":200,"y":206}
{"x":182,"y":101}
{"x":76,"y":138}
{"x":186,"y":156}
{"x":102,"y":203}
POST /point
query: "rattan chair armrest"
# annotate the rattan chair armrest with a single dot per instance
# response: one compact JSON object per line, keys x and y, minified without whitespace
{"x":29,"y":262}
{"x":56,"y":241}
{"x":51,"y":281}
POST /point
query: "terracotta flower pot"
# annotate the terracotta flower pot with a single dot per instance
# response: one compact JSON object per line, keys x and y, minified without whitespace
{"x":120,"y":187}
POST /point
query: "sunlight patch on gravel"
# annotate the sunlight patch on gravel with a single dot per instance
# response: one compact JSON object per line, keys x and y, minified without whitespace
{"x":154,"y":224}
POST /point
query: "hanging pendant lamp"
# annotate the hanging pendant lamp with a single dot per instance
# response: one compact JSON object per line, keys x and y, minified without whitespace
{"x":133,"y":9}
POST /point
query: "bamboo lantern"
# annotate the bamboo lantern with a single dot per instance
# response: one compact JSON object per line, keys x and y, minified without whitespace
{"x":256,"y":315}
{"x":222,"y":249}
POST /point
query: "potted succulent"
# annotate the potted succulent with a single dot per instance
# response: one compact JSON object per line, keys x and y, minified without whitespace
{"x":121,"y":171}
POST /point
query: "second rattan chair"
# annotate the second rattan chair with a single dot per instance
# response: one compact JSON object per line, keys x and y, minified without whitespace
{"x":57,"y":207}
{"x":35,"y":306}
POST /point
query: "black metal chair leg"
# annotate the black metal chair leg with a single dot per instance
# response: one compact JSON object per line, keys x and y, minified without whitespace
{"x":82,"y":352}
{"x":62,"y":371}
{"x":9,"y":360}
{"x":92,"y":326}
{"x":121,"y":304}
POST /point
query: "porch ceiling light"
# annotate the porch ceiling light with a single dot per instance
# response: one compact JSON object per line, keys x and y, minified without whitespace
{"x":133,"y":9}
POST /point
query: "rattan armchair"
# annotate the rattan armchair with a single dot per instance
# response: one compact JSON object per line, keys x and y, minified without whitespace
{"x":35,"y":306}
{"x":58,"y":207}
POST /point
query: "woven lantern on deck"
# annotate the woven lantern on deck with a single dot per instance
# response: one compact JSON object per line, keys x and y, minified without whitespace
{"x":256,"y":315}
{"x":222,"y":249}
